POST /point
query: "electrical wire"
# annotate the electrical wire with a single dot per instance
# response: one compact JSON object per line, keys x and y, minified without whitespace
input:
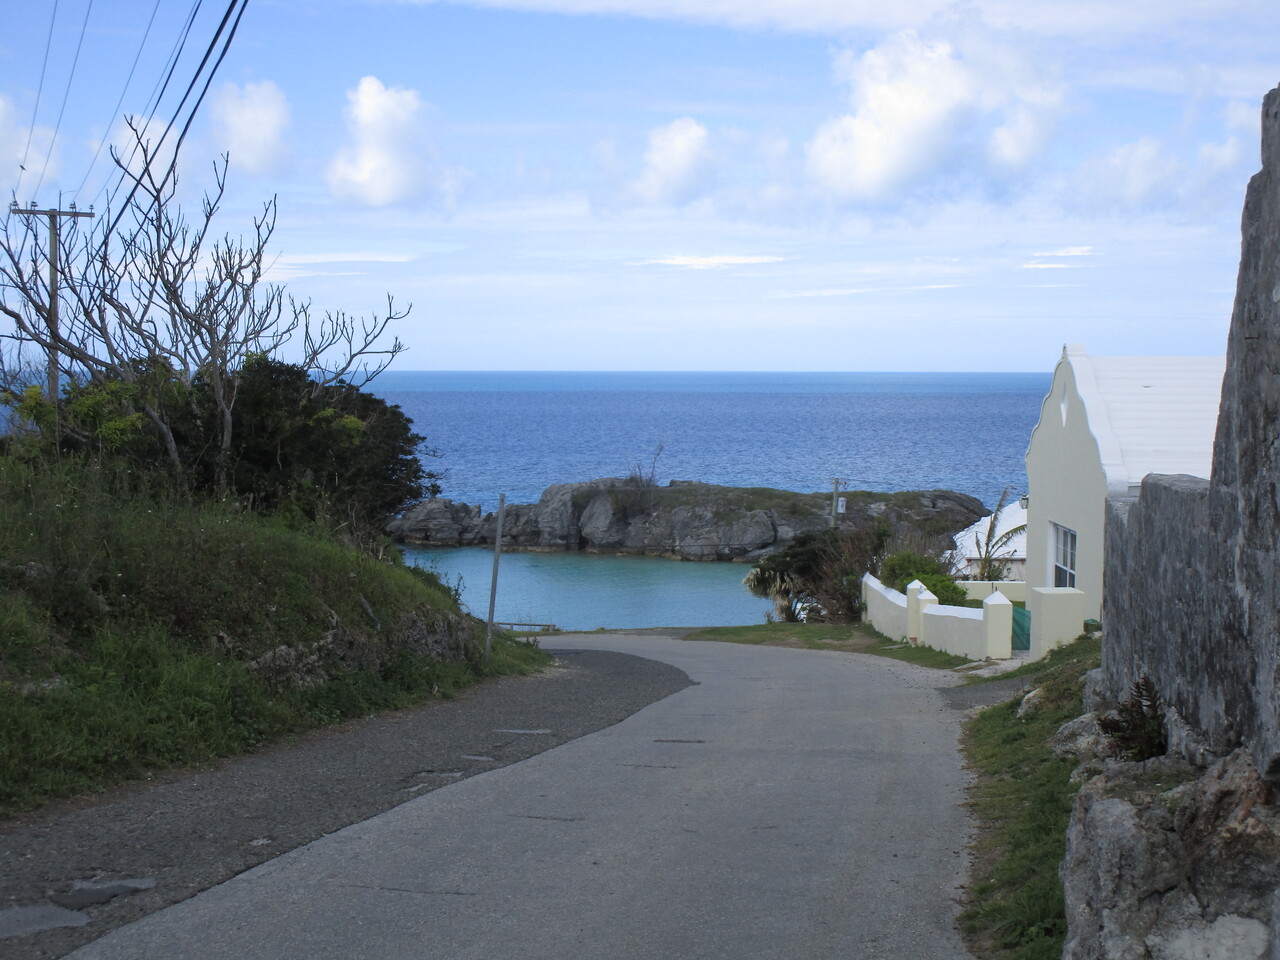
{"x":153,"y":101}
{"x":116,"y":109}
{"x":213,"y":44}
{"x":61,"y":110}
{"x":35,"y":112}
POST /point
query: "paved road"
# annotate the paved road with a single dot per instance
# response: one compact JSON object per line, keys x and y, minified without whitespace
{"x":792,"y":804}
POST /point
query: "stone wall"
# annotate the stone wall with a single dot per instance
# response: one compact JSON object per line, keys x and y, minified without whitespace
{"x":1192,"y":582}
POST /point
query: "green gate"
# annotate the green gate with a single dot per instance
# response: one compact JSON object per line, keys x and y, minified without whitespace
{"x":1021,"y":628}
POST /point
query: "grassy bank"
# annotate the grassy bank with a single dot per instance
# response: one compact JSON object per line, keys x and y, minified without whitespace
{"x":139,"y":630}
{"x":854,"y":637}
{"x":1022,"y":799}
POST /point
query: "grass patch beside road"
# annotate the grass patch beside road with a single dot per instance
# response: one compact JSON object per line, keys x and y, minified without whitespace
{"x":855,"y":637}
{"x":1022,"y":799}
{"x":921,"y":656}
{"x":808,"y":636}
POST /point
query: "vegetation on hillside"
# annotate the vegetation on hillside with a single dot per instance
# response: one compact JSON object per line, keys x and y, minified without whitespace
{"x":192,"y":560}
{"x":1022,"y":798}
{"x":140,"y":628}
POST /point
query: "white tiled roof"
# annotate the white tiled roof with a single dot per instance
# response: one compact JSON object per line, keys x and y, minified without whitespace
{"x":1162,"y":412}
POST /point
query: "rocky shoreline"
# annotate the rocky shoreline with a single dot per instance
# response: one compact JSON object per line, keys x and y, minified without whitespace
{"x":684,"y":520}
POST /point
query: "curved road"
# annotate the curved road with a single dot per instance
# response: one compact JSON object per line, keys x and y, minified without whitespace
{"x":791,"y":804}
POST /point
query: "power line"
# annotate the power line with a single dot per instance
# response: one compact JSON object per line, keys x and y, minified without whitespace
{"x":226,"y":45}
{"x":66,"y":94}
{"x":116,"y":109}
{"x":157,"y":94}
{"x":35,"y":112}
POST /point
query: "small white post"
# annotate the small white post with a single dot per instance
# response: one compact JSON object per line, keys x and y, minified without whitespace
{"x":493,"y":585}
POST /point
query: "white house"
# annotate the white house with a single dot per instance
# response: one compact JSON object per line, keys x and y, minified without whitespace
{"x":1106,"y":423}
{"x":966,"y":556}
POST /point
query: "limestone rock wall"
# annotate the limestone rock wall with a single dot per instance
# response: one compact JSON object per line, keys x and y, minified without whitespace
{"x":1166,"y":864}
{"x":1192,"y":579}
{"x":684,"y":520}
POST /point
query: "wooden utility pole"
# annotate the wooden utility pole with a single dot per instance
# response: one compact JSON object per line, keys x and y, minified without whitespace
{"x":54,"y":217}
{"x":493,"y":585}
{"x":836,"y":483}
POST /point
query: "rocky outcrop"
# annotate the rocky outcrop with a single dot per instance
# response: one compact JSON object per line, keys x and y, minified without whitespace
{"x":1179,"y":857}
{"x":1165,"y":862}
{"x":684,"y":520}
{"x":1192,"y":598}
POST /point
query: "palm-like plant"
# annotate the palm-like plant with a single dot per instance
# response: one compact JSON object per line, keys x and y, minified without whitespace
{"x":993,"y":563}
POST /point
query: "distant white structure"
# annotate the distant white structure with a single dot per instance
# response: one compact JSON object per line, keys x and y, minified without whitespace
{"x":1106,"y":423}
{"x":966,"y":556}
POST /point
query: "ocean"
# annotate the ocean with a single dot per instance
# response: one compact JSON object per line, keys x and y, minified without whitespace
{"x":518,"y":433}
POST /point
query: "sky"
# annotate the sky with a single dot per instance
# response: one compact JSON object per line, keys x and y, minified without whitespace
{"x":826,"y":185}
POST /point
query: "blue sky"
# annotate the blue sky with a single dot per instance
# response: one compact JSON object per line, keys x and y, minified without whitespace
{"x":716,"y":185}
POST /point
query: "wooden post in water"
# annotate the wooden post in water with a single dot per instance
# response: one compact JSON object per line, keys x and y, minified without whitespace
{"x":493,"y":585}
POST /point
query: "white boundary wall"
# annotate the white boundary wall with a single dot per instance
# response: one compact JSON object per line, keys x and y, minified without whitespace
{"x":886,"y":609}
{"x":918,"y":618}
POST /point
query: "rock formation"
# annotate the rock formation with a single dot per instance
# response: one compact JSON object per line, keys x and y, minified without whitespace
{"x":683,"y":520}
{"x":1178,"y":857}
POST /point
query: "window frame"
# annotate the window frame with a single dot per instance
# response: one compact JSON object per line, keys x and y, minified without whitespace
{"x":1062,"y":560}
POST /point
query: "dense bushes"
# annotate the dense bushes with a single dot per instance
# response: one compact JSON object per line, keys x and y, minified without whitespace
{"x":818,"y":576}
{"x":293,"y":443}
{"x":899,"y":569}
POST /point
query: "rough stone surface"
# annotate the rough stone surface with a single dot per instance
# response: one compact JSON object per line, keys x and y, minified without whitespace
{"x":1192,"y":583}
{"x":683,"y":520}
{"x":1164,"y":864}
{"x":1161,"y":865}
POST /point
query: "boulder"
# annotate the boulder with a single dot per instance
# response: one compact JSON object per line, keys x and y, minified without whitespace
{"x":1165,"y":862}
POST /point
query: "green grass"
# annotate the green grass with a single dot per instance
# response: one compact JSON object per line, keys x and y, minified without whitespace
{"x":919,"y":655}
{"x":859,"y":637}
{"x":1022,"y":798}
{"x":811,"y":636}
{"x":140,"y":631}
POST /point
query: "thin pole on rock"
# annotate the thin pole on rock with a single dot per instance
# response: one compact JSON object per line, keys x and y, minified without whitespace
{"x":493,"y":585}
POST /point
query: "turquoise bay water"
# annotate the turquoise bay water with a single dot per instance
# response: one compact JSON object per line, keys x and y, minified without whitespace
{"x":577,"y":591}
{"x":518,"y":433}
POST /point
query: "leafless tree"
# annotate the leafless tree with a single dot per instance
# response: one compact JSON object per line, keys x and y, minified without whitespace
{"x":148,"y":296}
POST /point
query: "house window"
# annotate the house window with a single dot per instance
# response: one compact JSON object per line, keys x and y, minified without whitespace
{"x":1064,"y":557}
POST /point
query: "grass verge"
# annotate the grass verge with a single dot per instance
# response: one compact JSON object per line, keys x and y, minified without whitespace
{"x":809,"y":636}
{"x":1022,"y":800}
{"x":140,"y":631}
{"x":857,"y":637}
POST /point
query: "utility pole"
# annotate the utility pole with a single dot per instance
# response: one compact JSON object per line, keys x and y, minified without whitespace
{"x":836,"y":483}
{"x":54,"y":215}
{"x":493,"y":585}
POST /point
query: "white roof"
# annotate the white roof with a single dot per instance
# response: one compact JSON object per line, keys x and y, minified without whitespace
{"x":1013,"y":515}
{"x":1150,"y":414}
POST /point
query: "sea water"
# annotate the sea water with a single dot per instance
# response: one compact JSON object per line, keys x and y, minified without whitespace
{"x":518,"y":433}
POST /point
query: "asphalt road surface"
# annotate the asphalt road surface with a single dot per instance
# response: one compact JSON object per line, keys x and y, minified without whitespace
{"x":789,"y":804}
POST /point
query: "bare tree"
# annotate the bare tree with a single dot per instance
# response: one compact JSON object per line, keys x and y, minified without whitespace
{"x":150,"y":298}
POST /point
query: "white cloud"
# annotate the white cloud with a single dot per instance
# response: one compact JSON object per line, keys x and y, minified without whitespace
{"x":908,"y":97}
{"x":384,"y":162}
{"x":918,"y":105}
{"x":1091,"y":18}
{"x":676,"y":164}
{"x":251,"y":122}
{"x":709,"y":263}
{"x":13,"y":146}
{"x":1067,"y":252}
{"x":1038,"y":265}
{"x":1138,"y":174}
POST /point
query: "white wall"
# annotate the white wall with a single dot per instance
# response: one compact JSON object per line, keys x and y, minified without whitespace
{"x":886,"y":609}
{"x":1067,"y":484}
